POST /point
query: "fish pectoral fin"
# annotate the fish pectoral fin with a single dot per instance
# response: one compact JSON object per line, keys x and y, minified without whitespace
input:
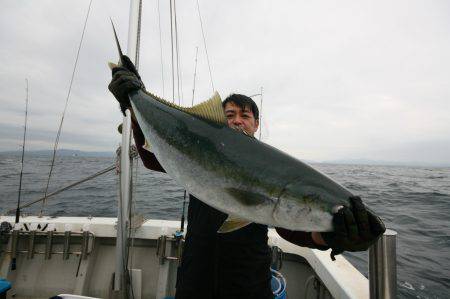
{"x":232,"y":223}
{"x":147,"y":145}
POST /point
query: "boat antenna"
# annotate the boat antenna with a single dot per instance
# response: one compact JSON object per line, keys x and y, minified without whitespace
{"x":58,"y":134}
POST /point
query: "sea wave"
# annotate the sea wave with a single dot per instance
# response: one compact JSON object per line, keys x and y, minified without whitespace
{"x":414,"y":201}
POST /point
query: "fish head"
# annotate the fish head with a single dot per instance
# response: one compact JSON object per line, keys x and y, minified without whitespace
{"x":308,"y":207}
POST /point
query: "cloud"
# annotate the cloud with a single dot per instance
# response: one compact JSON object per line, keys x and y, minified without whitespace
{"x":341,"y":80}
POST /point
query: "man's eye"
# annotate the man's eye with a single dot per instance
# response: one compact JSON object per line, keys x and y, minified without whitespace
{"x":229,"y":115}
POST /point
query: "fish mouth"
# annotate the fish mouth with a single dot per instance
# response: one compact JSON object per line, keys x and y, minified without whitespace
{"x":239,"y":129}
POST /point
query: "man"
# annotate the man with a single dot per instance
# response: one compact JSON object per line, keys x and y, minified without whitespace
{"x":237,"y":264}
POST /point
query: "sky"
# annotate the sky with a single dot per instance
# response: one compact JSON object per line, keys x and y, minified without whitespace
{"x":342,"y":80}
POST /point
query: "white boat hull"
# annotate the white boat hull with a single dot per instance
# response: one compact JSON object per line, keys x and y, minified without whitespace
{"x":38,"y":277}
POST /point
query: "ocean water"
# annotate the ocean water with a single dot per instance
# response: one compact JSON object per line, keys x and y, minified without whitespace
{"x":414,"y":201}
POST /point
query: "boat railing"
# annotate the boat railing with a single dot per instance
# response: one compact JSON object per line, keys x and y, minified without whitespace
{"x":383,"y":267}
{"x":28,"y":241}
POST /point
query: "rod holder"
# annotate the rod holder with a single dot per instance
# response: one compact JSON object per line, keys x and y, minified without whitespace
{"x":14,"y":243}
{"x":66,"y":245}
{"x":48,"y":245}
{"x":161,"y":248}
{"x":383,"y":267}
{"x":85,"y":245}
{"x":31,"y":238}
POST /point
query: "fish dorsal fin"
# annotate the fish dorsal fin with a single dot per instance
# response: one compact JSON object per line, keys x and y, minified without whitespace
{"x":232,"y":223}
{"x":211,"y":109}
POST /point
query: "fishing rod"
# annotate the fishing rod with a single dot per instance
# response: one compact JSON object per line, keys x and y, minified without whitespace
{"x":58,"y":134}
{"x":23,"y":154}
{"x":204,"y":44}
{"x":260,"y":114}
{"x":260,"y":110}
{"x":195,"y":76}
{"x":14,"y":260}
{"x":192,"y":104}
{"x":183,"y":212}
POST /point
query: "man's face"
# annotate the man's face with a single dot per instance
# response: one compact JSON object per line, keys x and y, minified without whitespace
{"x":241,"y":119}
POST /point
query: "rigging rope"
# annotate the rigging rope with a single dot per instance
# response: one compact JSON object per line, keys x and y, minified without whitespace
{"x":112,"y":167}
{"x":204,"y":44}
{"x":161,"y":50}
{"x":55,"y":147}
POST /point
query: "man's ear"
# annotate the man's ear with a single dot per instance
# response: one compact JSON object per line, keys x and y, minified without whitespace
{"x":257,"y":124}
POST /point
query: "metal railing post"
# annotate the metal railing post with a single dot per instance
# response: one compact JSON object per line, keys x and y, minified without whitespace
{"x":383,"y":267}
{"x":123,"y":219}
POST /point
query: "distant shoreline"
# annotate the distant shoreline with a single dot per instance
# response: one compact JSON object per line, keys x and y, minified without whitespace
{"x":79,"y":153}
{"x":387,"y":164}
{"x":60,"y":153}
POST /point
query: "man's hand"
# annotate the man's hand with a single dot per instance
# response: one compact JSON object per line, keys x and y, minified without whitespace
{"x":125,"y":80}
{"x":355,"y":229}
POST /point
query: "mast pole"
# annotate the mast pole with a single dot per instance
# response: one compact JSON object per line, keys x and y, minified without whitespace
{"x":123,"y":217}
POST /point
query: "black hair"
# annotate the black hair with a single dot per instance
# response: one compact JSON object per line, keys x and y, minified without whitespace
{"x":243,"y":102}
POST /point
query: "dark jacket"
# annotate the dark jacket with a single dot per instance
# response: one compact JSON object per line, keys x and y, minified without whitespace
{"x":213,"y":265}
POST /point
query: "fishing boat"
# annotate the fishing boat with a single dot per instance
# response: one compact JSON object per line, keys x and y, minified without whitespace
{"x":77,"y":255}
{"x":129,"y":257}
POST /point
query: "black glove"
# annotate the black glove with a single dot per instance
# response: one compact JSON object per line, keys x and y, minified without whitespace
{"x":355,"y":229}
{"x":125,"y":79}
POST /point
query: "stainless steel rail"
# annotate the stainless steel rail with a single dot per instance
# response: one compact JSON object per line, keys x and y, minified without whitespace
{"x":85,"y":246}
{"x":383,"y":267}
